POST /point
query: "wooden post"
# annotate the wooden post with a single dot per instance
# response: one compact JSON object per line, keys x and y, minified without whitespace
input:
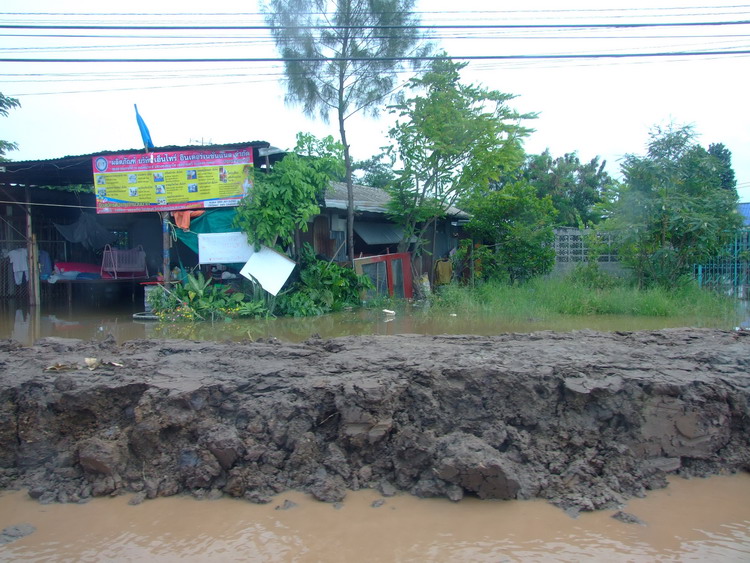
{"x":432,"y":257}
{"x":166,"y":245}
{"x":34,"y":289}
{"x":33,"y":262}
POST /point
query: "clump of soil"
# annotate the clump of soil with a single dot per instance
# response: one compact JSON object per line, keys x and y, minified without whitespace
{"x":583,"y":419}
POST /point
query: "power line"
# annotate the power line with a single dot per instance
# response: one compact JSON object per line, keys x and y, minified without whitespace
{"x":447,"y":12}
{"x":360,"y":27}
{"x":384,"y":59}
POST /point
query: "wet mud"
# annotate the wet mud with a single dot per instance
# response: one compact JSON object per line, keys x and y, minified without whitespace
{"x":585,"y":420}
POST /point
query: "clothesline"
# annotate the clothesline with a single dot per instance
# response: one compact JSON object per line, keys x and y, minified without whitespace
{"x":23,"y":235}
{"x":22,"y":203}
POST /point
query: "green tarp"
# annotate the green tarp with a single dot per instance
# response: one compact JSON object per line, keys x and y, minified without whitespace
{"x":212,"y":221}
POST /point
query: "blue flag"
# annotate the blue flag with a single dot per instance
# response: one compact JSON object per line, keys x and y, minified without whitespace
{"x":145,"y":135}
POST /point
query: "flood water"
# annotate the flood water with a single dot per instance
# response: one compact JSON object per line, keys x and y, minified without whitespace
{"x":695,"y":520}
{"x":27,"y":326}
{"x":690,"y":520}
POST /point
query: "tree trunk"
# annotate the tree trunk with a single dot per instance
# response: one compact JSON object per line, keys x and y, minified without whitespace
{"x":349,"y":192}
{"x":342,"y":109}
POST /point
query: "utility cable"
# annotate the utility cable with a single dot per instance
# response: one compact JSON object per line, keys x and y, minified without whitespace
{"x":371,"y":27}
{"x":383,"y":59}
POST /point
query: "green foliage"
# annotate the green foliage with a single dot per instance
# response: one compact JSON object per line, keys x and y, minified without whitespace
{"x":724,"y":159}
{"x":575,"y":188}
{"x":287,"y":197}
{"x":590,"y":275}
{"x":474,"y":263}
{"x":674,"y":208}
{"x":550,"y":298}
{"x":7,"y":103}
{"x":162,"y":301}
{"x":322,"y":287}
{"x":452,"y":139}
{"x":252,"y":309}
{"x":197,"y":298}
{"x":310,"y":33}
{"x":518,"y":225}
{"x":376,"y":172}
{"x":337,"y":59}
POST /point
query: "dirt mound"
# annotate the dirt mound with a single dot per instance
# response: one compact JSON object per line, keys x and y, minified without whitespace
{"x":583,"y":419}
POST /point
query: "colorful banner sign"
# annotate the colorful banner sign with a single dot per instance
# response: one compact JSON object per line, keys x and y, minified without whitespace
{"x":171,"y":181}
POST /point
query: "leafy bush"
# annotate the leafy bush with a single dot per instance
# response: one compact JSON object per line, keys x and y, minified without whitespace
{"x":197,"y":298}
{"x":591,"y":275}
{"x":322,"y":287}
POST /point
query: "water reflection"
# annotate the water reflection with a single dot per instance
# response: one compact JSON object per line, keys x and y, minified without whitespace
{"x":26,"y":326}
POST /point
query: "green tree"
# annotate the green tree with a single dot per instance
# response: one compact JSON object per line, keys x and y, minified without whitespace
{"x":575,"y":187}
{"x":286,"y":198}
{"x":343,"y":57}
{"x":518,"y":225}
{"x":452,"y":139}
{"x":6,"y":104}
{"x":376,"y":172}
{"x":672,"y":210}
{"x":726,"y":172}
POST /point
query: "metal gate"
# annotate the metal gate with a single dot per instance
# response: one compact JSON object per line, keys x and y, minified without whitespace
{"x":728,"y":273}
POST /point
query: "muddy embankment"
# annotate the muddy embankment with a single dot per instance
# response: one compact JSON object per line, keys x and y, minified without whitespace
{"x":583,"y":419}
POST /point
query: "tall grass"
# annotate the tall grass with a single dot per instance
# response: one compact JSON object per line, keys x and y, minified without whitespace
{"x":546,"y":298}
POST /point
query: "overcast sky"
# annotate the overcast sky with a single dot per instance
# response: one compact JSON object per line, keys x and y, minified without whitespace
{"x":596,"y":107}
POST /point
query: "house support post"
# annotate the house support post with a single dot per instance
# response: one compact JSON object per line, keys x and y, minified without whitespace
{"x":166,"y":245}
{"x":33,"y":260}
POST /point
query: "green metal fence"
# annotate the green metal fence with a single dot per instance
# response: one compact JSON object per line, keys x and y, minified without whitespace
{"x":728,"y":273}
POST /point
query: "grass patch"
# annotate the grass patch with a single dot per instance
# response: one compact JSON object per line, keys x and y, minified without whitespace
{"x":547,"y":298}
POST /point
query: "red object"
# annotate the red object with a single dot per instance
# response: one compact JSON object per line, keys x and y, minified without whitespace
{"x":82,"y":268}
{"x":389,"y":259}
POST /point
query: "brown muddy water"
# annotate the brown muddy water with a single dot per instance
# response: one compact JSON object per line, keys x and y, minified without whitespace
{"x":690,"y":520}
{"x":27,"y":326}
{"x":695,"y":520}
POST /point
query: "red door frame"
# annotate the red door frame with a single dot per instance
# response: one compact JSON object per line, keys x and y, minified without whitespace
{"x":405,"y":257}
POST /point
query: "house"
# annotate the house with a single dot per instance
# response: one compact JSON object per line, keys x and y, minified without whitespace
{"x":374,"y":231}
{"x":39,"y":199}
{"x":48,"y":209}
{"x":377,"y":238}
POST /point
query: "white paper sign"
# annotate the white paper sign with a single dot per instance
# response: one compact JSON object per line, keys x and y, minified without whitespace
{"x":270,"y":268}
{"x":223,"y":248}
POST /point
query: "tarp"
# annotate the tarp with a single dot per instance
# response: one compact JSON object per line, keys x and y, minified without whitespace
{"x":87,"y":232}
{"x":212,"y":221}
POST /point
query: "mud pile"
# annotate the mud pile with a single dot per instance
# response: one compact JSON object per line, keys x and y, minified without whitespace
{"x":583,"y":419}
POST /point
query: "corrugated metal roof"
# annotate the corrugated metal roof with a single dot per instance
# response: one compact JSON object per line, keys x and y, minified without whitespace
{"x":367,"y":198}
{"x":379,"y":233}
